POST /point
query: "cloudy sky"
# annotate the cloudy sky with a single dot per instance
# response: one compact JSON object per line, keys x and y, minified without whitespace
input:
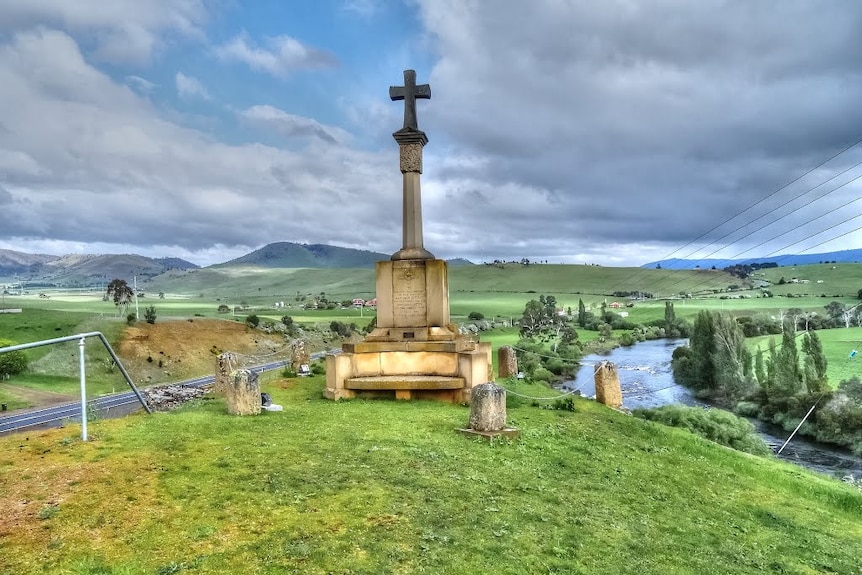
{"x":614,"y":132}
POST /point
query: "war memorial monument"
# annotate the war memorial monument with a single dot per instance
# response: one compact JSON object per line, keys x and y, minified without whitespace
{"x":415,"y":351}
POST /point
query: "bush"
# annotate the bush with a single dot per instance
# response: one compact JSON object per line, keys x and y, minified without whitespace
{"x":131,"y":318}
{"x":223,"y":308}
{"x":252,"y":320}
{"x":475,"y":316}
{"x":150,"y":314}
{"x":716,"y":425}
{"x":11,"y":362}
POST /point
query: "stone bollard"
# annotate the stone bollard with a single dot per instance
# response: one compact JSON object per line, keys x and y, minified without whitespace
{"x":243,"y":393}
{"x":225,"y":363}
{"x":488,"y":412}
{"x":487,"y":407}
{"x":507,"y":362}
{"x":608,"y":385}
{"x":298,"y":355}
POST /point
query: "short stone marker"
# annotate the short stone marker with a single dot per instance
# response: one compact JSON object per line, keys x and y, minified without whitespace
{"x":488,"y":413}
{"x":299,"y":356}
{"x":507,"y":362}
{"x":608,"y":385}
{"x":225,"y":363}
{"x":243,"y":393}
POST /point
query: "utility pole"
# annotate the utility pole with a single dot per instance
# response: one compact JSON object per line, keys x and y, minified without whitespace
{"x":137,"y":312}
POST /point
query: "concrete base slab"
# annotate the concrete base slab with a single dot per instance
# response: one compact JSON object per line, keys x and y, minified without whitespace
{"x":508,"y":432}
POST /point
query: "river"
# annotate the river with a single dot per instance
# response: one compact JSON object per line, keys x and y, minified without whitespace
{"x":647,"y":381}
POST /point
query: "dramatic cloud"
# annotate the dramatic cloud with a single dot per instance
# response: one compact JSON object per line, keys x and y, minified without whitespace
{"x":288,"y":124}
{"x":281,"y":56}
{"x":96,"y":164}
{"x":188,"y":87}
{"x":121,"y":31}
{"x":609,"y":132}
{"x":617,"y":122}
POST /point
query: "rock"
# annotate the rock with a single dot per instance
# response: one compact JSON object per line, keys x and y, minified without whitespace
{"x":507,"y":362}
{"x":608,"y":389}
{"x":243,"y":393}
{"x":488,"y":407}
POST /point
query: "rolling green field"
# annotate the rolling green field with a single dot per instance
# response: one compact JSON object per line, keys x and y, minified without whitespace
{"x":390,"y":487}
{"x":497,"y":292}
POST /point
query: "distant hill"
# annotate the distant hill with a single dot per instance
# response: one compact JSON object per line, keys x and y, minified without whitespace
{"x":844,"y":256}
{"x":293,"y":255}
{"x":84,"y":269}
{"x":12,"y":262}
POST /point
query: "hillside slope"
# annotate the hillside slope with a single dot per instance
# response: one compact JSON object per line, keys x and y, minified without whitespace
{"x":292,"y":255}
{"x":390,"y":487}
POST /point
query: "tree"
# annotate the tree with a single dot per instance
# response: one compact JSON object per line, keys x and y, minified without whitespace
{"x":760,"y":367}
{"x":731,"y":359}
{"x":150,"y":314}
{"x":582,"y":313}
{"x":702,"y":351}
{"x":121,"y":293}
{"x":669,"y":315}
{"x":252,"y":320}
{"x":476,"y":316}
{"x":541,"y":321}
{"x":788,"y":376}
{"x":815,"y":363}
{"x":11,"y":362}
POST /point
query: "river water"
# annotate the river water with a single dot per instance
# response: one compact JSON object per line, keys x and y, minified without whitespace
{"x":647,"y":381}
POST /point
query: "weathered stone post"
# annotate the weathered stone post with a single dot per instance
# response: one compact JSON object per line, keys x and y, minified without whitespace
{"x":507,"y":362}
{"x":243,"y":393}
{"x":608,"y":389}
{"x":488,"y":407}
{"x":225,"y":364}
{"x":488,"y":412}
{"x":298,"y":355}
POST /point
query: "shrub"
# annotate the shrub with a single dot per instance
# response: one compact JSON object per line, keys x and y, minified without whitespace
{"x":11,"y":362}
{"x":475,"y":315}
{"x":252,"y":320}
{"x":716,"y":425}
{"x":150,"y":314}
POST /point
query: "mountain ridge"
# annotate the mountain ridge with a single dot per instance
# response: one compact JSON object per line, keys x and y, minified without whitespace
{"x":842,"y":256}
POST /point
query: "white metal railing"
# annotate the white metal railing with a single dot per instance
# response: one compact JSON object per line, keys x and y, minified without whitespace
{"x":81,"y":337}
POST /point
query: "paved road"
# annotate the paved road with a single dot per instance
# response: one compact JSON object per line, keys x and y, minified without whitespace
{"x":112,"y":405}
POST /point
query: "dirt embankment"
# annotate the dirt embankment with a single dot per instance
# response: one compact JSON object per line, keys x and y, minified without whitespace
{"x":175,"y":350}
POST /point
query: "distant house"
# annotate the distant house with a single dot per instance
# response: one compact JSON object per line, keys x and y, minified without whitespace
{"x":371,"y":303}
{"x":616,"y":305}
{"x":358,"y":302}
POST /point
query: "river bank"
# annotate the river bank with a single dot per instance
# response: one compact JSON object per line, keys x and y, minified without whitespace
{"x":647,"y":381}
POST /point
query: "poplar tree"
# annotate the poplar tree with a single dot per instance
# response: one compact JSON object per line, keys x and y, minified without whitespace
{"x":815,"y":363}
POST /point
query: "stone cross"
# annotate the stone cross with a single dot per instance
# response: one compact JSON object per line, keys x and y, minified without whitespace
{"x":409,"y":92}
{"x":411,"y":140}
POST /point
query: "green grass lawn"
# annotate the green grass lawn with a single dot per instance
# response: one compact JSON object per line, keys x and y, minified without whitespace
{"x":386,"y":487}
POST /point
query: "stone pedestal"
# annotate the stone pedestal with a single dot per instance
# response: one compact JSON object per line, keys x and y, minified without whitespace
{"x":243,"y":393}
{"x":608,"y":389}
{"x":507,"y":362}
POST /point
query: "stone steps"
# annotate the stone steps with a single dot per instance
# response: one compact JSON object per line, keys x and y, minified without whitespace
{"x":396,"y":382}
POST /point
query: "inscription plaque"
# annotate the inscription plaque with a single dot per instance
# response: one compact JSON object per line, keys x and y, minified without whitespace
{"x":409,"y":298}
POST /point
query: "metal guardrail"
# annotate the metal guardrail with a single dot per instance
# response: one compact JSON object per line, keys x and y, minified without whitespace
{"x":81,"y":337}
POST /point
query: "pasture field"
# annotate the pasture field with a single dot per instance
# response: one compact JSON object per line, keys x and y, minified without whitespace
{"x":497,"y":292}
{"x":390,"y":487}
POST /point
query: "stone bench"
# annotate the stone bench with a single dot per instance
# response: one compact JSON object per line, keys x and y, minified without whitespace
{"x":404,"y":385}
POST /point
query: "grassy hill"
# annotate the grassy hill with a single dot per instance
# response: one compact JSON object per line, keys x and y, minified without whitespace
{"x":292,"y":255}
{"x":90,"y":269}
{"x":386,"y":487}
{"x":508,"y":279}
